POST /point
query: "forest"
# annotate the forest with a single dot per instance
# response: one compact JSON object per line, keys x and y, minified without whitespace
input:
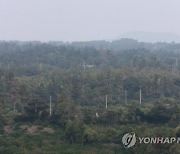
{"x":82,"y":97}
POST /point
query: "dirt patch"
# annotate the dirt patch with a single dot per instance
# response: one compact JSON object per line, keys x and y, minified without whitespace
{"x":8,"y":129}
{"x":36,"y":129}
{"x":30,"y":129}
{"x":49,"y":130}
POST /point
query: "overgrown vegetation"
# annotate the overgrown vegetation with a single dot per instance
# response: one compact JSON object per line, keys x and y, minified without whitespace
{"x":79,"y":77}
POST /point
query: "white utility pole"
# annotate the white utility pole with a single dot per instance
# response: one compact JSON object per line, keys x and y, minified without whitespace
{"x":125,"y":97}
{"x":40,"y":66}
{"x":172,"y":69}
{"x":50,"y":105}
{"x":84,"y":65}
{"x":140,"y":101}
{"x":131,"y":63}
{"x":14,"y":106}
{"x":8,"y":66}
{"x":106,"y":101}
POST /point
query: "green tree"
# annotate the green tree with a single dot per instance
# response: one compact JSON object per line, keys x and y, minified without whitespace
{"x":74,"y":131}
{"x":64,"y":111}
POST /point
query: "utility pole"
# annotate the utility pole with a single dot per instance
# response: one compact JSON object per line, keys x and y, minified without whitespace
{"x":84,"y":65}
{"x":174,"y":67}
{"x":172,"y":70}
{"x":176,"y":62}
{"x":40,"y":66}
{"x":50,"y":105}
{"x":14,"y":106}
{"x":131,"y":63}
{"x":106,"y":101}
{"x":125,"y":97}
{"x":8,"y":66}
{"x":140,"y":97}
{"x":83,"y":88}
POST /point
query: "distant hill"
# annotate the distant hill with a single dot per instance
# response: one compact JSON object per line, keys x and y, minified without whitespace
{"x":151,"y":36}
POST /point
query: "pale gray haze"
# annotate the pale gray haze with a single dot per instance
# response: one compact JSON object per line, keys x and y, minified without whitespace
{"x":82,"y":20}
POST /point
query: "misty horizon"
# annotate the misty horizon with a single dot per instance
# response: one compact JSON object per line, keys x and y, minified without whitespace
{"x":70,"y":21}
{"x":89,"y":76}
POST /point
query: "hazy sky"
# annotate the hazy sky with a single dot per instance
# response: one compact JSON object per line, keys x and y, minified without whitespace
{"x":70,"y":20}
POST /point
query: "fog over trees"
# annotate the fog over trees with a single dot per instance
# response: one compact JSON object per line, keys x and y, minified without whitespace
{"x":87,"y":95}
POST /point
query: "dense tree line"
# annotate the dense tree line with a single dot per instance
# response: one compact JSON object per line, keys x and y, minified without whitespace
{"x":79,"y":76}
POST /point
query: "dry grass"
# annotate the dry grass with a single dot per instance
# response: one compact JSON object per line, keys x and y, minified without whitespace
{"x":35,"y":129}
